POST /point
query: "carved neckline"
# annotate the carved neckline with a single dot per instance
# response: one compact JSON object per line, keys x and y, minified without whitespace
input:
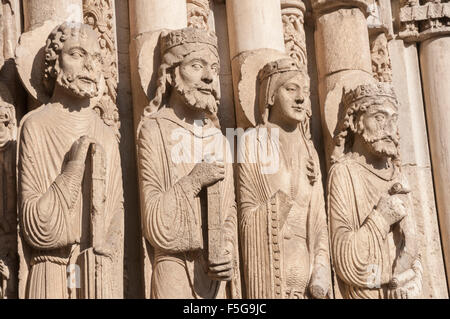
{"x":388,"y":175}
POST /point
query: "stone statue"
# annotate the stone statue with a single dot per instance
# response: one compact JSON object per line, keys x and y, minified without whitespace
{"x":188,"y":207}
{"x":69,"y":179}
{"x":8,"y":209}
{"x":282,"y":222}
{"x":368,"y":201}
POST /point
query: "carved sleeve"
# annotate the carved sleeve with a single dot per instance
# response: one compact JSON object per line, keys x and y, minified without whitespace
{"x":44,"y":211}
{"x":170,"y":219}
{"x":318,"y":234}
{"x":359,"y":251}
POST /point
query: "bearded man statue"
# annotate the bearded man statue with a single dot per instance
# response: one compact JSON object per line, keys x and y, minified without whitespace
{"x":69,"y":179}
{"x":176,"y":177}
{"x":282,"y":220}
{"x":369,"y":201}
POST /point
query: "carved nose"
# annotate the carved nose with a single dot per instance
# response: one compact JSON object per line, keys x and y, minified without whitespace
{"x":207,"y":79}
{"x":300,"y":100}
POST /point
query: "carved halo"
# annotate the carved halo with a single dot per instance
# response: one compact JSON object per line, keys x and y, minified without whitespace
{"x":248,"y":88}
{"x":149,"y":60}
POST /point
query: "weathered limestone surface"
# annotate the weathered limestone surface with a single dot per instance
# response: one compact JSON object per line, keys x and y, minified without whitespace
{"x":143,"y":79}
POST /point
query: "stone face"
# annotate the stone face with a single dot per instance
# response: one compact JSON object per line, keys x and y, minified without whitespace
{"x":134,"y":159}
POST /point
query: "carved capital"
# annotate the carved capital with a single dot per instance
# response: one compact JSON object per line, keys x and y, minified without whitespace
{"x":293,"y":12}
{"x":421,"y":22}
{"x":322,"y":6}
{"x":198,"y":12}
{"x":99,"y":14}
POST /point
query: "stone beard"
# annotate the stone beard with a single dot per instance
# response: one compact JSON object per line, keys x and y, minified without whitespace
{"x":283,"y":226}
{"x":70,"y":180}
{"x":174,"y":204}
{"x":369,"y":202}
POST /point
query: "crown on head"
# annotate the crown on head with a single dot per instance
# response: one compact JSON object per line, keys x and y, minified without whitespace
{"x":187,"y":35}
{"x":279,"y":66}
{"x":369,"y":90}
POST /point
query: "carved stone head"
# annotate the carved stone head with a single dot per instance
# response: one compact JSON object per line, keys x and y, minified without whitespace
{"x":73,"y":60}
{"x":8,"y":125}
{"x":371,"y":112}
{"x":189,"y":68}
{"x":284,"y":89}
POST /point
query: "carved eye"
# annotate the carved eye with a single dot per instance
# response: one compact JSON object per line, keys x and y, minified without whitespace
{"x":197,"y":66}
{"x":215,"y":68}
{"x":379,"y":117}
{"x":76,"y":55}
{"x":291,"y":88}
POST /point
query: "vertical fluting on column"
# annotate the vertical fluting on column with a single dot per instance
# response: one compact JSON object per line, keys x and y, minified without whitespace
{"x":428,"y":23}
{"x":256,"y":37}
{"x":38,"y":11}
{"x":342,"y":54}
{"x":293,"y":17}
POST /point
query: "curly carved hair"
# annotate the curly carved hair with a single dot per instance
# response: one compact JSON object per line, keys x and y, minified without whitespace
{"x":53,"y":48}
{"x":346,"y":129}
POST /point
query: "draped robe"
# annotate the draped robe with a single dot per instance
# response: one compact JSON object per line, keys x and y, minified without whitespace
{"x":174,"y":218}
{"x":51,"y":233}
{"x":359,"y":234}
{"x":279,"y":256}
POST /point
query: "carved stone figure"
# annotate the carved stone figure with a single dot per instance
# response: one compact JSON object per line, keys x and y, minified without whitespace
{"x":282,"y":222}
{"x":69,"y":178}
{"x":8,"y":215}
{"x":188,"y":207}
{"x":369,"y":201}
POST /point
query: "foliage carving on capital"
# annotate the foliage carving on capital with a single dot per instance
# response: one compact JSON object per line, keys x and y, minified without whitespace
{"x":198,"y":14}
{"x":99,"y":14}
{"x":292,"y":12}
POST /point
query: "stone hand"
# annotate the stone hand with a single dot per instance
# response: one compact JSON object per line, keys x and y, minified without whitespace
{"x":222,"y":269}
{"x":79,"y":149}
{"x":320,"y":285}
{"x":207,"y":174}
{"x":391,"y":208}
{"x":4,"y":270}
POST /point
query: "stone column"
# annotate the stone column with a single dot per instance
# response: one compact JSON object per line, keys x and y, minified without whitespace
{"x":38,"y":11}
{"x":428,"y":25}
{"x":395,"y":61}
{"x":255,"y":31}
{"x":293,"y":17}
{"x":342,"y":55}
{"x":435,"y":65}
{"x":147,"y":19}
